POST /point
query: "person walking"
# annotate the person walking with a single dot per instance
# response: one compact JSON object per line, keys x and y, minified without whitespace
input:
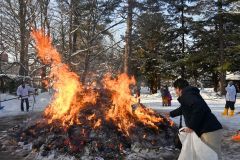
{"x":197,"y":115}
{"x":230,"y":99}
{"x":23,"y":92}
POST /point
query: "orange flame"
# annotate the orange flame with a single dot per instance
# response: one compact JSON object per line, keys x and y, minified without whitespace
{"x":122,"y":112}
{"x":65,"y":105}
{"x":146,"y":117}
{"x":98,"y":123}
{"x":70,"y":97}
{"x":91,"y":117}
{"x":122,"y":100}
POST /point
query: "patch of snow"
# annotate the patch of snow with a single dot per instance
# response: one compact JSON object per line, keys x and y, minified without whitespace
{"x":215,"y":102}
{"x":12,"y":107}
{"x":233,"y":76}
{"x":154,"y":101}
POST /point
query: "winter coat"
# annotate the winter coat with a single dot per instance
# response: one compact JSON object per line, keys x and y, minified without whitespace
{"x":231,"y":93}
{"x":24,"y":92}
{"x":196,"y":113}
{"x":165,"y":93}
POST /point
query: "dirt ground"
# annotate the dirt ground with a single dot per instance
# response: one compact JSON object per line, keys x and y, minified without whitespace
{"x":230,"y":149}
{"x":7,"y":123}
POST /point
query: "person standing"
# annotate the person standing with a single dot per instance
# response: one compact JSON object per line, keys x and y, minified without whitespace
{"x":230,"y":99}
{"x":197,"y":115}
{"x":166,"y":96}
{"x":169,"y":96}
{"x":23,"y":92}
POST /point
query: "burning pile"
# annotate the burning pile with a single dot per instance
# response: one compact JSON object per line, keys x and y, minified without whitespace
{"x":84,"y":121}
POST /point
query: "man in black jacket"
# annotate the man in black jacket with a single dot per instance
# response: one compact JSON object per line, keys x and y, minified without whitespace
{"x":197,"y":115}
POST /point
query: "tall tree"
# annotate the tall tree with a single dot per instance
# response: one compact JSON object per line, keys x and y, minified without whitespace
{"x":179,"y":12}
{"x":17,"y":22}
{"x":45,"y":26}
{"x":214,"y":38}
{"x":128,"y":36}
{"x":221,"y":46}
{"x":150,"y":41}
{"x":23,"y":39}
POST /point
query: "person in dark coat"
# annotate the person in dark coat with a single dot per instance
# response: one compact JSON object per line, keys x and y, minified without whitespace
{"x":166,"y":96}
{"x":197,"y":115}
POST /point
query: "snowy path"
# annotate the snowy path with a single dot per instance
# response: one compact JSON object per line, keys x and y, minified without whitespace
{"x":215,"y":103}
{"x":12,"y":107}
{"x":230,"y":149}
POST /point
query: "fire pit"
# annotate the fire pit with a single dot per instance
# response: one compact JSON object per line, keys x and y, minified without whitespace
{"x":89,"y":123}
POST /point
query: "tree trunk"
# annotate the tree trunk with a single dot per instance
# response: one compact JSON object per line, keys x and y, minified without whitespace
{"x":221,"y":49}
{"x":128,"y":37}
{"x":183,"y":39}
{"x":86,"y":68}
{"x":70,"y":27}
{"x":75,"y":24}
{"x":63,"y":37}
{"x":153,"y":83}
{"x":22,"y":24}
{"x":90,"y":42}
{"x":46,"y":21}
{"x":215,"y":81}
{"x":46,"y":27}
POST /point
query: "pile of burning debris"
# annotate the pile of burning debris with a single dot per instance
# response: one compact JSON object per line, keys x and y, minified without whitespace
{"x":89,"y":123}
{"x":88,"y":141}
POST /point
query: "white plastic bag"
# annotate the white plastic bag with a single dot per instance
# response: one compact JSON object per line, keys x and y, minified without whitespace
{"x":194,"y":149}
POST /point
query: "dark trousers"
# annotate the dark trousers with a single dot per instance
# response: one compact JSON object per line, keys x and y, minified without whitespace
{"x":230,"y":104}
{"x":27,"y":104}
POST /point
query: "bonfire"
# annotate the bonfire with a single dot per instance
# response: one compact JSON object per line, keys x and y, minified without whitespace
{"x":88,"y":122}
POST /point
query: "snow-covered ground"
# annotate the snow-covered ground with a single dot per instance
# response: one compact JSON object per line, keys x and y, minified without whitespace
{"x":12,"y":107}
{"x":153,"y":101}
{"x":215,"y":102}
{"x":230,"y":149}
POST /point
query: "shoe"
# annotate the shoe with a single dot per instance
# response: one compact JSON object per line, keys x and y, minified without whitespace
{"x":225,"y":112}
{"x":231,"y":113}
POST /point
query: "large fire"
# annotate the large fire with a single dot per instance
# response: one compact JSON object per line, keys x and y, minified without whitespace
{"x":122,"y":111}
{"x":66,"y":104}
{"x":70,"y":96}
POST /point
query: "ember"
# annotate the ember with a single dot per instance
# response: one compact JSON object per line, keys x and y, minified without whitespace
{"x":104,"y":122}
{"x":106,"y":140}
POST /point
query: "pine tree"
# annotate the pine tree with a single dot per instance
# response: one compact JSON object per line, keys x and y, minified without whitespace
{"x":180,"y":14}
{"x":215,"y":34}
{"x":150,"y":38}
